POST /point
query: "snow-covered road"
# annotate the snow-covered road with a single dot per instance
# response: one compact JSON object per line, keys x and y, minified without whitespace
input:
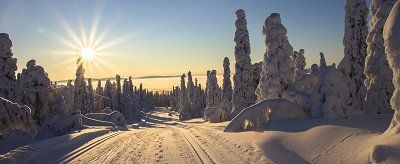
{"x":160,"y":139}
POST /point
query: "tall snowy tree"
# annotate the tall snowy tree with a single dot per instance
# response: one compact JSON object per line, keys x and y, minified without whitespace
{"x":355,"y":50}
{"x":391,"y":35}
{"x":118,"y":92}
{"x":213,"y":91}
{"x":127,"y":104}
{"x":226,"y":100}
{"x":107,"y":95}
{"x":90,"y":97}
{"x":8,"y":66}
{"x":199,"y":102}
{"x":243,"y":91}
{"x":35,"y":86}
{"x":278,"y":69}
{"x":190,"y":87}
{"x":185,"y":112}
{"x":378,"y":82}
{"x":69,"y":97}
{"x":300,"y":64}
{"x":314,"y":69}
{"x":322,"y":61}
{"x":80,"y":88}
{"x":99,"y":93}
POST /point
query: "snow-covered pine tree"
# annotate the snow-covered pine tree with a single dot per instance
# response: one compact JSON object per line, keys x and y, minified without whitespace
{"x":198,"y":102}
{"x":213,"y":96}
{"x":35,"y":86}
{"x":314,"y":69}
{"x":118,"y":93}
{"x":97,"y":98}
{"x":107,"y":95}
{"x":300,"y":64}
{"x":322,"y":61}
{"x":69,"y":98}
{"x":378,"y":82}
{"x":185,"y":112}
{"x":80,"y":88}
{"x":15,"y":116}
{"x":90,"y":97}
{"x":243,"y":90}
{"x":8,"y":66}
{"x":226,"y":100}
{"x":190,"y":87}
{"x":391,"y":35}
{"x":355,"y":51}
{"x":127,"y":105}
{"x":278,"y":69}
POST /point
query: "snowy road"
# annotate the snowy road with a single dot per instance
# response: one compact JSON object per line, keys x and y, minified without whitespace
{"x":162,"y":140}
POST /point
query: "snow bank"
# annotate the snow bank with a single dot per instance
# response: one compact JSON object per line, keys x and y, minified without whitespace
{"x":114,"y":117}
{"x":63,"y":123}
{"x":259,"y":114}
{"x":215,"y":114}
{"x":15,"y":116}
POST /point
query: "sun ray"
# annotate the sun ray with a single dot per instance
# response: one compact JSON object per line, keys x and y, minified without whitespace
{"x":95,"y":23}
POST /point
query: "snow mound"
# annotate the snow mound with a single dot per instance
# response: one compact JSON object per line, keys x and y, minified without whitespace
{"x":216,"y":114}
{"x":15,"y":116}
{"x":63,"y":124}
{"x":114,"y":117}
{"x":259,"y":114}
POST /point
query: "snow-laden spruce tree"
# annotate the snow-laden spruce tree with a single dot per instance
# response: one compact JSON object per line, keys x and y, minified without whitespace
{"x":278,"y":68}
{"x":378,"y":82}
{"x":391,"y":35}
{"x":107,"y":95}
{"x":185,"y":112}
{"x":190,"y":87}
{"x":69,"y":97}
{"x":256,"y":71}
{"x":90,"y":97}
{"x":15,"y":116}
{"x":322,"y":61}
{"x":8,"y":66}
{"x":118,"y":92}
{"x":35,"y":86}
{"x":97,"y":98}
{"x":199,"y":102}
{"x":213,"y":95}
{"x":80,"y":88}
{"x":314,"y":69}
{"x":300,"y":64}
{"x":226,"y":99}
{"x":355,"y":50}
{"x":127,"y":105}
{"x":243,"y":91}
{"x":114,"y":99}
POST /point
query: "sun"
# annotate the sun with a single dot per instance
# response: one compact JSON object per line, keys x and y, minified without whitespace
{"x":87,"y":53}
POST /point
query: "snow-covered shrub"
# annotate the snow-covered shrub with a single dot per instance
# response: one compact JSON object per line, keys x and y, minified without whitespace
{"x":213,"y":94}
{"x":114,"y":117}
{"x":322,"y":61}
{"x":243,"y":90}
{"x":330,"y":95}
{"x":278,"y":69}
{"x":391,"y":35}
{"x":307,"y":83}
{"x":8,"y":66}
{"x":185,"y":112}
{"x":63,"y":123}
{"x":215,"y":114}
{"x":226,"y":99}
{"x":355,"y":50}
{"x":300,"y":64}
{"x":378,"y":82}
{"x":80,"y":88}
{"x":15,"y":116}
{"x":259,"y":114}
{"x":35,"y":88}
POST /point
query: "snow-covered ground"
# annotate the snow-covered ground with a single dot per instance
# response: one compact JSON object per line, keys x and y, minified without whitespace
{"x":161,"y":138}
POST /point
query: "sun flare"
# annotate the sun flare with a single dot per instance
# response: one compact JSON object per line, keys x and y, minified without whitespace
{"x":87,"y":53}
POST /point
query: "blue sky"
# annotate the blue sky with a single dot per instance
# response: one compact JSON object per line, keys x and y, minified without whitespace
{"x":160,"y":37}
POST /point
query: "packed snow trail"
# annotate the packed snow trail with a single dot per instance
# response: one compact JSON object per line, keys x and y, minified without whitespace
{"x":159,"y":138}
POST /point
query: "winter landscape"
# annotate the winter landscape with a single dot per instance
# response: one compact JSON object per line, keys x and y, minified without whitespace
{"x":185,"y":82}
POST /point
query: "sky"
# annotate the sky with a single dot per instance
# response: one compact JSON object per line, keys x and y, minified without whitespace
{"x":158,"y":37}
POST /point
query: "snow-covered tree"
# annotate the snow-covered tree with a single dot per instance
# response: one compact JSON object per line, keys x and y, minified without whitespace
{"x":226,"y":99}
{"x":185,"y":112}
{"x":300,"y":64}
{"x":314,"y":69}
{"x":90,"y":97}
{"x":278,"y":69}
{"x":8,"y":66}
{"x":97,"y":98}
{"x":199,"y":102}
{"x":127,"y":105}
{"x":213,"y":95}
{"x":322,"y":61}
{"x":80,"y":88}
{"x":190,"y":87}
{"x":35,"y":86}
{"x":391,"y":35}
{"x":114,"y":99}
{"x":69,"y":97}
{"x":118,"y":93}
{"x":355,"y":50}
{"x":107,"y":95}
{"x":378,"y":82}
{"x":243,"y":91}
{"x":256,"y":71}
{"x":15,"y":116}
